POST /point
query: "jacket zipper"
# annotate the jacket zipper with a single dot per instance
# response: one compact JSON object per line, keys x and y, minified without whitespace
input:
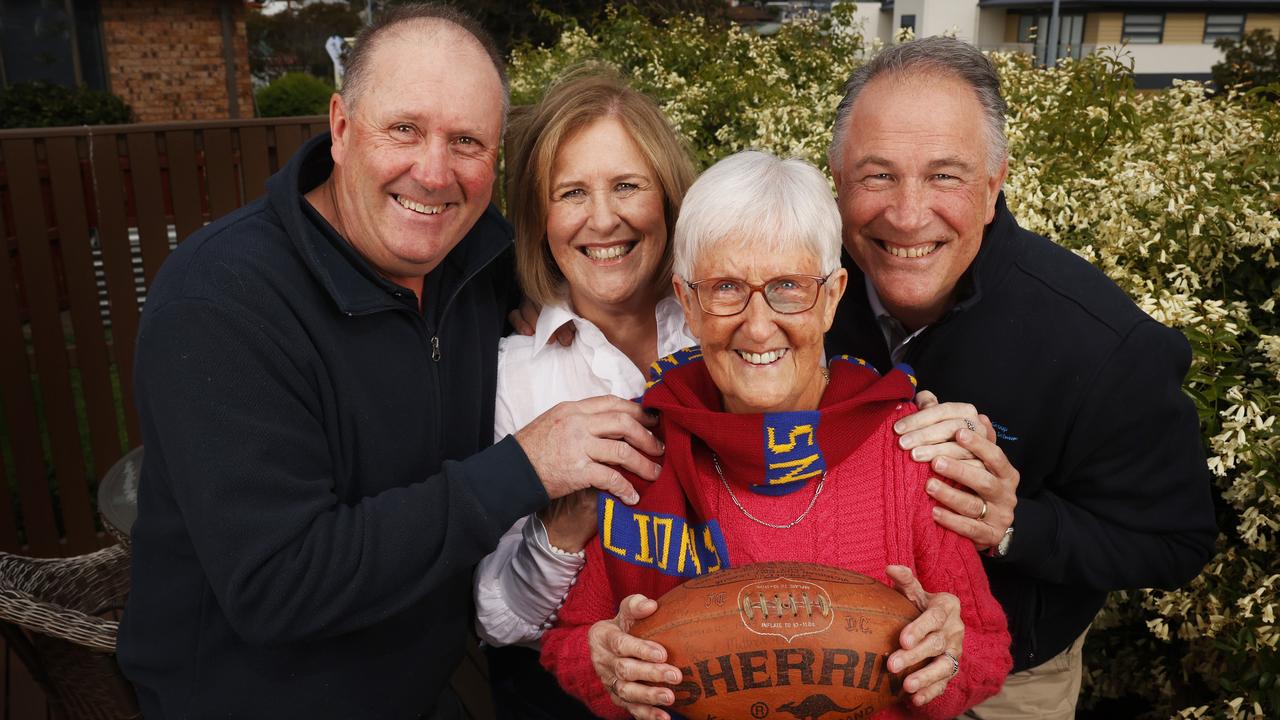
{"x":435,"y":339}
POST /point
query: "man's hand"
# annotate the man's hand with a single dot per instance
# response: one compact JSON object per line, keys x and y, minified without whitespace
{"x":576,"y":445}
{"x":524,"y":320}
{"x":959,"y":443}
{"x":929,"y":432}
{"x":936,"y":636}
{"x":984,"y":514}
{"x":570,"y":520}
{"x":627,"y":665}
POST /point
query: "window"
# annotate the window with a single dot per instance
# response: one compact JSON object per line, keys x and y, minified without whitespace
{"x":55,"y":41}
{"x":1029,"y":28}
{"x":1143,"y":28}
{"x":1033,"y":29}
{"x":908,"y":22}
{"x":1223,"y":25}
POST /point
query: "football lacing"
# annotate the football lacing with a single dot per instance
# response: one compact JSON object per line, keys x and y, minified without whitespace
{"x":780,"y":605}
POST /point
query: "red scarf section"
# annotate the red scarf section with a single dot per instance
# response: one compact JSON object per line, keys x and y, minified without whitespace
{"x":670,"y":536}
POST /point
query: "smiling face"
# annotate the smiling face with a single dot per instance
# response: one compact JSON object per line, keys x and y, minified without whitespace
{"x":414,"y":160}
{"x":915,"y":190}
{"x":761,"y":360}
{"x":605,"y":222}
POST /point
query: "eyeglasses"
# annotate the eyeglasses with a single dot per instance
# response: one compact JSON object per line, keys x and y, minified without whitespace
{"x":787,"y":294}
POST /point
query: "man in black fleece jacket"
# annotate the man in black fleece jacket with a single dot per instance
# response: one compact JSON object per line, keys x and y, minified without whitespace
{"x":315,"y":377}
{"x":1084,"y":389}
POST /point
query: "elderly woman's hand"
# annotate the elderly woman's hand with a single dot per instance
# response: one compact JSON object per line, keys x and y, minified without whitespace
{"x":959,"y":443}
{"x":627,"y":665}
{"x":571,"y":520}
{"x":937,"y":636}
{"x":524,"y":321}
{"x":930,"y":432}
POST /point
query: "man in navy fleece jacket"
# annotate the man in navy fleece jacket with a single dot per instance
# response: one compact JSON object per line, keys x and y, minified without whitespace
{"x":315,"y":377}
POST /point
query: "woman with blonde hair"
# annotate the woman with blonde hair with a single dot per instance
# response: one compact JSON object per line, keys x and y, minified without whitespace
{"x":595,"y":176}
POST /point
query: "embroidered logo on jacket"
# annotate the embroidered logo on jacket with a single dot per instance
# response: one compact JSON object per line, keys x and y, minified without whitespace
{"x":1002,"y":432}
{"x":662,"y":542}
{"x":791,"y":452}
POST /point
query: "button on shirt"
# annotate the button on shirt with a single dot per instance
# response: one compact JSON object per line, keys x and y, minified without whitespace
{"x":522,"y":583}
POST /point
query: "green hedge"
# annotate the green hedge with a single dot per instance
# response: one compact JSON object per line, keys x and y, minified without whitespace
{"x":41,"y":104}
{"x":294,"y":94}
{"x":1174,"y":194}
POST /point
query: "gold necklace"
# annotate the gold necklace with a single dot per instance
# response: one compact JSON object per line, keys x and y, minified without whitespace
{"x":715,"y":462}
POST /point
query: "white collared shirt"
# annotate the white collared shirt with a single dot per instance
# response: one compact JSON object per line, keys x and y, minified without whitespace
{"x":520,"y":585}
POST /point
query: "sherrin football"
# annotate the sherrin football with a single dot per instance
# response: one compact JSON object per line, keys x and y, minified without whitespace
{"x":784,"y":640}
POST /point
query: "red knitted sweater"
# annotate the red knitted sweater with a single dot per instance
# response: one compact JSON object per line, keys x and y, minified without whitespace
{"x":872,"y":512}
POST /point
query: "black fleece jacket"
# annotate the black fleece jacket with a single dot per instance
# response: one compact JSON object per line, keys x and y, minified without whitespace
{"x":316,"y":485}
{"x":1085,"y":391}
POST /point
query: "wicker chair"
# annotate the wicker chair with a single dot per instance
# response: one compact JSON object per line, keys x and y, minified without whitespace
{"x":51,"y":614}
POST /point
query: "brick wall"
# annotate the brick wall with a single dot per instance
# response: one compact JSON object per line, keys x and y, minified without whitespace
{"x":165,"y":58}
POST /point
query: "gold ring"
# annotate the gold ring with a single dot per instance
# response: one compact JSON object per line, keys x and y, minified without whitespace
{"x":613,"y":686}
{"x":983,"y":513}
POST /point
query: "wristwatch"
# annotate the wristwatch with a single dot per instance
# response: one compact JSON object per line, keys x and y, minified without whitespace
{"x":1001,"y":548}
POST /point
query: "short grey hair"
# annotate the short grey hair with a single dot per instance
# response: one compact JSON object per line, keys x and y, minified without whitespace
{"x":936,"y":55}
{"x":762,"y":202}
{"x":355,"y":77}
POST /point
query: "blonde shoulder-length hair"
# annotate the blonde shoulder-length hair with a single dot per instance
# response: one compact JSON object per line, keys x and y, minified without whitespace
{"x":577,"y":99}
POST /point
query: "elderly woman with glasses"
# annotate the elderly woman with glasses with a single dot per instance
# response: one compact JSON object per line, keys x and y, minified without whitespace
{"x":772,"y":453}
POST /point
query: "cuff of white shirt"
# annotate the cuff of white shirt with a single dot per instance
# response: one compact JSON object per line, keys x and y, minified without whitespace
{"x":535,"y":535}
{"x":527,"y":593}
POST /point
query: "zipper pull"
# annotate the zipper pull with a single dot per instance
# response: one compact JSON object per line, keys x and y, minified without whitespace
{"x":435,"y":348}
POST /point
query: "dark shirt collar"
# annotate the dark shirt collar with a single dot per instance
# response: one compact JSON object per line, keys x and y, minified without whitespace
{"x":858,"y":330}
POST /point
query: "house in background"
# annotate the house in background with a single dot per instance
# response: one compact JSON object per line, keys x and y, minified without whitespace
{"x":1168,"y":39}
{"x":169,"y":59}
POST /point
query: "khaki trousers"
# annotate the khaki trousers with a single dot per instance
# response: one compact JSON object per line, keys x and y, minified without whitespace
{"x":1047,"y":691}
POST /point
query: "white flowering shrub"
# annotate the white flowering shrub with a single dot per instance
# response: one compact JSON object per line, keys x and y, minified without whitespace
{"x":1174,"y":194}
{"x":723,"y":89}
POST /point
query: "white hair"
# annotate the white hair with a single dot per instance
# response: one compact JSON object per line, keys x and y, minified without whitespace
{"x":762,"y":204}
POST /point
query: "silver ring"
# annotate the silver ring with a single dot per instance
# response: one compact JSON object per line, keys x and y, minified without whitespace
{"x":983,"y":513}
{"x":955,"y":662}
{"x":969,"y":424}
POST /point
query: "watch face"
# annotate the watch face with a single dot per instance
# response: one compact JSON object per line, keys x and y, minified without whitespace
{"x":1003,"y":548}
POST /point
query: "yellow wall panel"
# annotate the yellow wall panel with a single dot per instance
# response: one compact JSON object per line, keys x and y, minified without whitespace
{"x":1183,"y":28}
{"x":1259,"y":21}
{"x":1107,"y":27}
{"x":1090,"y":29}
